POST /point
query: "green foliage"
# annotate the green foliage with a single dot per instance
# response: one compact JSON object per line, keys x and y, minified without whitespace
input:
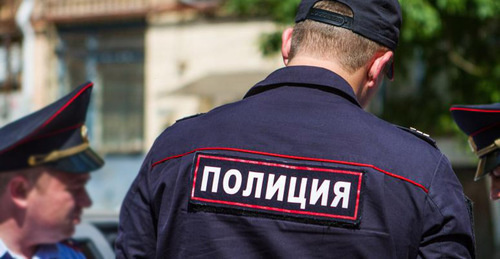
{"x":448,"y":54}
{"x":459,"y":56}
{"x":269,"y":43}
{"x":280,"y":11}
{"x":421,"y":17}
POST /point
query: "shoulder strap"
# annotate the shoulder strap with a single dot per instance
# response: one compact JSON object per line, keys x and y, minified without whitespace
{"x":189,"y":117}
{"x":420,"y":135}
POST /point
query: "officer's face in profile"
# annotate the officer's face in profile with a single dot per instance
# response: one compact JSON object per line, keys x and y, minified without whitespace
{"x":495,"y":184}
{"x":55,"y":204}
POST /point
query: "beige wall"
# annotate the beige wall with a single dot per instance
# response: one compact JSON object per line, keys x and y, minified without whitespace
{"x":30,"y":98}
{"x":187,"y":55}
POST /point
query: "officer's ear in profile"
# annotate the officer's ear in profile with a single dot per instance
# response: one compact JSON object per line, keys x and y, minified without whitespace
{"x":286,"y":44}
{"x":18,"y":189}
{"x":371,"y":76}
{"x":381,"y":63}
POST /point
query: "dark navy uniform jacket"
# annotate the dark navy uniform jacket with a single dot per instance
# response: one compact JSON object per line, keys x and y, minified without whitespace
{"x":297,"y":169}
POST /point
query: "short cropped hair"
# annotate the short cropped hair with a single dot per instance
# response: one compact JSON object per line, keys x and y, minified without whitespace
{"x":31,"y":174}
{"x":351,"y":50}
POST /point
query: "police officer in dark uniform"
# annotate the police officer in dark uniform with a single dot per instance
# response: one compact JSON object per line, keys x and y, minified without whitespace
{"x":45,"y":160}
{"x":297,"y":169}
{"x":482,"y":124}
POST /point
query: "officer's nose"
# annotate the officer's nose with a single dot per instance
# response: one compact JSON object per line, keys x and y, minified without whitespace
{"x":84,"y":200}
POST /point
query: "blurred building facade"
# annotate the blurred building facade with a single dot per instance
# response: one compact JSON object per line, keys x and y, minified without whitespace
{"x":152,"y":62}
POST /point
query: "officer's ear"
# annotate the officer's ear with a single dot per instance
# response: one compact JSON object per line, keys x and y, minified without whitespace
{"x":286,"y":44}
{"x":377,"y":68}
{"x":18,"y":189}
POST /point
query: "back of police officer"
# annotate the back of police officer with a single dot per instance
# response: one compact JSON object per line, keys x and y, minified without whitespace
{"x":297,"y":169}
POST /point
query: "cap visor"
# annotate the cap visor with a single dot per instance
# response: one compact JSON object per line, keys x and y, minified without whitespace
{"x":479,"y":170}
{"x":390,"y":71}
{"x":83,"y":162}
{"x":487,"y":164}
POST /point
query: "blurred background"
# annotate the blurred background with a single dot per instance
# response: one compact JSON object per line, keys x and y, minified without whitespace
{"x":156,"y":61}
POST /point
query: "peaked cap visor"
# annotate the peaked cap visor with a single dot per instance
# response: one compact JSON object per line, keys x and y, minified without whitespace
{"x":83,"y":162}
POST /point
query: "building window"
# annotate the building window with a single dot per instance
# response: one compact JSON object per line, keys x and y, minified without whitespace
{"x":113,"y":58}
{"x":10,"y":63}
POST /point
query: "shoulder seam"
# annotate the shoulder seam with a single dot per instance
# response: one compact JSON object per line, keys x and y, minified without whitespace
{"x":432,"y":181}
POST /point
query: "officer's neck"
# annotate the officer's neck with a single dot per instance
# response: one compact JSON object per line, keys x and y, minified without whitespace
{"x":16,"y":239}
{"x":355,"y":79}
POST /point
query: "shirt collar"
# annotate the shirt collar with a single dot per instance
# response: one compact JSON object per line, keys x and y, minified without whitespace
{"x":4,"y":252}
{"x":305,"y":76}
{"x":43,"y":251}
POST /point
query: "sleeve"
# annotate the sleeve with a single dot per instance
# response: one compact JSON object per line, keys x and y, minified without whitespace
{"x":136,"y":229}
{"x":448,"y":228}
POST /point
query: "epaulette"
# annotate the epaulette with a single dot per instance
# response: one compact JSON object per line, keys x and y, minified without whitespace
{"x":189,"y":117}
{"x":420,"y":135}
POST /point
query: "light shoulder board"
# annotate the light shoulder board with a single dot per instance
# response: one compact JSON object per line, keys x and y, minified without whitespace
{"x":421,"y":135}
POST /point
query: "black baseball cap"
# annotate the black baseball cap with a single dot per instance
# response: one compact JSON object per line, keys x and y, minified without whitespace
{"x":54,"y":136}
{"x":482,"y":124}
{"x":377,"y":20}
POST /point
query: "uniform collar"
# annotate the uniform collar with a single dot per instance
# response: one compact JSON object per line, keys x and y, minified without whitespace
{"x":305,"y":76}
{"x":43,"y":251}
{"x":4,"y":251}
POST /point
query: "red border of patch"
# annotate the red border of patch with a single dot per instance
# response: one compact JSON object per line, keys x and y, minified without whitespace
{"x":276,"y":164}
